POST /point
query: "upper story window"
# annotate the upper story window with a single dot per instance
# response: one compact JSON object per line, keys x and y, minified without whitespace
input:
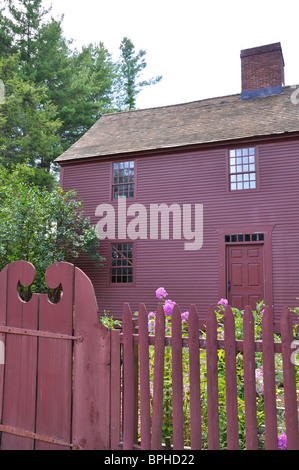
{"x":123,"y":180}
{"x":242,"y":169}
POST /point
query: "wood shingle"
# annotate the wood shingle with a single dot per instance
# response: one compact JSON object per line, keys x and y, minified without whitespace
{"x":200,"y":122}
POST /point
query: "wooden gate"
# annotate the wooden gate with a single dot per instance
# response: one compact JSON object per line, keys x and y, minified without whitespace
{"x":55,"y":376}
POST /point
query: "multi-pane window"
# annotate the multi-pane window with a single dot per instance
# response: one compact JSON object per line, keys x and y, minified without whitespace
{"x":123,"y":180}
{"x":242,"y":169}
{"x":121,"y":263}
{"x":244,"y":237}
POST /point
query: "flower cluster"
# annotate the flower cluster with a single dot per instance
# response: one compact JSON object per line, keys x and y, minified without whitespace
{"x":168,"y":304}
{"x":223,"y":302}
{"x":161,"y":293}
{"x":185,"y":316}
{"x":168,"y":307}
{"x":259,"y":377}
{"x":282,"y":441}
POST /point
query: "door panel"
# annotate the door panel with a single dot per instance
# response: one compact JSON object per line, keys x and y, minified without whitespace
{"x":245,"y":275}
{"x":253,"y":274}
{"x":236,"y":274}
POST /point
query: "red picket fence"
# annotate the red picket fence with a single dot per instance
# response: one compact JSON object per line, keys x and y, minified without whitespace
{"x":138,"y":403}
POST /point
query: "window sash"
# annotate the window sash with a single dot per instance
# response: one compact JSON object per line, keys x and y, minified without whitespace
{"x":242,"y":169}
{"x":123,"y":179}
{"x":122,"y":263}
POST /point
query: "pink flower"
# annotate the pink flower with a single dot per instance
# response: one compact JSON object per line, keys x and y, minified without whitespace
{"x":223,"y":302}
{"x":185,"y":316}
{"x":168,"y":307}
{"x":161,"y":293}
{"x":259,"y":376}
{"x":282,"y":441}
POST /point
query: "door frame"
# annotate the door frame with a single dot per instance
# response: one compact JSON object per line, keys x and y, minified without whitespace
{"x":222,"y":255}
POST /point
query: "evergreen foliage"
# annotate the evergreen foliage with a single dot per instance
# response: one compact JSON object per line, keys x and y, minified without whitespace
{"x":54,"y":93}
{"x":40,"y":226}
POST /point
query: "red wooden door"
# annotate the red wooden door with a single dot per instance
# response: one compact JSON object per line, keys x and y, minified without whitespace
{"x":245,"y":275}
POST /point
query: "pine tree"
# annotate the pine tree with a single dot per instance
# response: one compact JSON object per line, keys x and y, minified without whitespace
{"x":28,"y":121}
{"x":79,"y":84}
{"x":54,"y":93}
{"x":130,"y":68}
{"x":6,"y":35}
{"x":89,"y":91}
{"x":27,"y":18}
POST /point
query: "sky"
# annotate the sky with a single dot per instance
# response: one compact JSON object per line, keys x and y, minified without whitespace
{"x":195,"y":45}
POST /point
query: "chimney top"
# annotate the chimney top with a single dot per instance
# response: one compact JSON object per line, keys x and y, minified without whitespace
{"x":262,"y":71}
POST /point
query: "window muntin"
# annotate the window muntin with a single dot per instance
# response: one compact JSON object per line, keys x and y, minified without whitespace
{"x":242,"y":169}
{"x":123,"y":180}
{"x":121,"y":270}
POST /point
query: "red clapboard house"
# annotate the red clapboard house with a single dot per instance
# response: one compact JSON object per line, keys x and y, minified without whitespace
{"x":230,"y":162}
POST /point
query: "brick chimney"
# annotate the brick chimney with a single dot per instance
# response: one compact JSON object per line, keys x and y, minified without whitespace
{"x":262,"y":71}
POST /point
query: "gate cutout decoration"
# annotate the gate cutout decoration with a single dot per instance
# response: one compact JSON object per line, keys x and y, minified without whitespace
{"x":56,"y":375}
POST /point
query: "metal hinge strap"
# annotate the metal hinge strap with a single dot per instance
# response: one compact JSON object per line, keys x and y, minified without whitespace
{"x":33,"y":435}
{"x":42,"y":334}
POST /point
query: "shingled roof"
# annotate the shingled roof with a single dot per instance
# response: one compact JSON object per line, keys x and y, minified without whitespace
{"x":199,"y":122}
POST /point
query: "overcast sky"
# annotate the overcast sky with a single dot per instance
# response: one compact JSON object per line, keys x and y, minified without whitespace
{"x":195,"y":45}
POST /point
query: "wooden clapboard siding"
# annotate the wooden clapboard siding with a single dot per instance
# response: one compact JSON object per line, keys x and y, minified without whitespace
{"x":199,"y":176}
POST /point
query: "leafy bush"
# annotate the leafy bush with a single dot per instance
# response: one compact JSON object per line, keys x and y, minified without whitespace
{"x":40,"y":226}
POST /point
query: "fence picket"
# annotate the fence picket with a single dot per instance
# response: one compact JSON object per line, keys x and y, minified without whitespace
{"x":177,"y":380}
{"x":289,"y":380}
{"x":194,"y":367}
{"x":212,"y":380}
{"x":269,"y":380}
{"x":115,"y":409}
{"x":156,"y":439}
{"x":128,"y":354}
{"x":249,"y":381}
{"x":231,"y":380}
{"x":92,"y":371}
{"x":145,"y":417}
{"x":3,"y":313}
